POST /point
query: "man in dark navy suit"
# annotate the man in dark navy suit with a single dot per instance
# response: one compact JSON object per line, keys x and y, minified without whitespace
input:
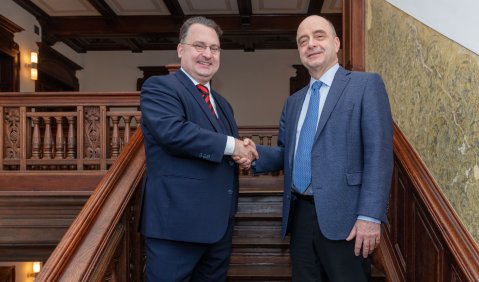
{"x":335,"y":146}
{"x":191,"y":188}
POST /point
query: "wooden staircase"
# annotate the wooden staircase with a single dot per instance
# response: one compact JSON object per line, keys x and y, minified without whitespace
{"x":259,"y":253}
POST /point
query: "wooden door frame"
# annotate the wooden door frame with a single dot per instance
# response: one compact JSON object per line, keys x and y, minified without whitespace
{"x":354,"y":35}
{"x":10,"y":48}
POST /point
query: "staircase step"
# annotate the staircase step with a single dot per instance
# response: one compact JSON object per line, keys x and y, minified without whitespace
{"x":276,"y":272}
{"x":259,"y":273}
{"x":265,"y":258}
{"x":258,"y":191}
{"x":242,"y":242}
{"x":258,"y":216}
{"x":377,"y":275}
{"x":261,"y":182}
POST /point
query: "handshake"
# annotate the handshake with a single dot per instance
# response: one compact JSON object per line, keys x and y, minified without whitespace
{"x":244,"y":153}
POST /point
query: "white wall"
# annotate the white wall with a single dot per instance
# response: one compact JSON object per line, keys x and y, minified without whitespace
{"x":25,"y":39}
{"x":255,"y":83}
{"x":456,"y":19}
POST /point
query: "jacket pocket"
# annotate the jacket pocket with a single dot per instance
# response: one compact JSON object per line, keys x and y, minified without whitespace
{"x":354,"y":178}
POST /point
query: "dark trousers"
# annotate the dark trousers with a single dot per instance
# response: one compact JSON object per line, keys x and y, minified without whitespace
{"x":171,"y":261}
{"x":316,"y":258}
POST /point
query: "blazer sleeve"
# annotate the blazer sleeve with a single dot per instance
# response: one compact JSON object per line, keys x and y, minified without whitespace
{"x":377,"y":132}
{"x":164,"y":116}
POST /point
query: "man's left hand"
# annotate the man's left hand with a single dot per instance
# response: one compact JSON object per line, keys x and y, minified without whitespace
{"x":368,"y":236}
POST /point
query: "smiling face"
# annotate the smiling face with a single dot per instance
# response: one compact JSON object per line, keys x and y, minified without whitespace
{"x":200,"y":65}
{"x":318,"y":45}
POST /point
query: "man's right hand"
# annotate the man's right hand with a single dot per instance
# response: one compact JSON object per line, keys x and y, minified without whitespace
{"x":245,"y":152}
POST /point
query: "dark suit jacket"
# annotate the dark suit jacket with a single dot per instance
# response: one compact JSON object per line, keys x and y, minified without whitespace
{"x":191,"y":188}
{"x":352,"y":156}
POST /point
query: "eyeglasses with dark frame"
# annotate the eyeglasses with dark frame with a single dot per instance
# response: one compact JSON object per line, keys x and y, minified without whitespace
{"x":201,"y":47}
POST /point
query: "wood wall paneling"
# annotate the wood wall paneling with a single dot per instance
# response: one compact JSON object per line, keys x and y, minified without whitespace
{"x":424,"y":240}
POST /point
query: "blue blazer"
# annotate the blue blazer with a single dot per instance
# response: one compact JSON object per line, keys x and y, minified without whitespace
{"x":352,"y":157}
{"x":191,"y":188}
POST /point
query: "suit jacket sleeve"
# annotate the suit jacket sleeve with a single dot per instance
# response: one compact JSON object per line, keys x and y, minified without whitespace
{"x":173,"y":117}
{"x":377,"y":132}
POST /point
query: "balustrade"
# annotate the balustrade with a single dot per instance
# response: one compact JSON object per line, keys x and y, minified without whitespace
{"x":65,"y":131}
{"x":76,"y":131}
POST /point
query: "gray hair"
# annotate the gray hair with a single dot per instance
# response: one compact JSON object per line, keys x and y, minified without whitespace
{"x":198,"y":20}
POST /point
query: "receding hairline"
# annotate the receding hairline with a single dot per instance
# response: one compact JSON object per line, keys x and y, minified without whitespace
{"x":330,"y":24}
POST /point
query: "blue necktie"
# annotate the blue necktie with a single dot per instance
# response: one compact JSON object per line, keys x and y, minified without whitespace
{"x":302,"y":159}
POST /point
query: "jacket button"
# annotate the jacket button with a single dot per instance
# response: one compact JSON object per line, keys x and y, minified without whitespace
{"x":230,"y":191}
{"x":231,"y":163}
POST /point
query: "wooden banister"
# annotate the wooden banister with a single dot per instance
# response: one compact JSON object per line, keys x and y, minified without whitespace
{"x":97,"y":241}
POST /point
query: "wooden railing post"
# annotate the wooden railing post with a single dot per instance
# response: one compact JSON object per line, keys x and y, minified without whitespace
{"x":36,"y":142}
{"x":59,"y":144}
{"x":71,"y":143}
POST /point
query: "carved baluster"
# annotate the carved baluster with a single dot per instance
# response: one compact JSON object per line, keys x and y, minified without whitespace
{"x":261,"y":140}
{"x":36,"y":139}
{"x":59,"y":138}
{"x":71,"y":138}
{"x":47,"y":139}
{"x":269,"y":140}
{"x":126,"y":138}
{"x":115,"y":144}
{"x":137,"y":121}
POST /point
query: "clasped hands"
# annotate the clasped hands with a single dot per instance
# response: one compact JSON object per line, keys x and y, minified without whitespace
{"x":244,"y":153}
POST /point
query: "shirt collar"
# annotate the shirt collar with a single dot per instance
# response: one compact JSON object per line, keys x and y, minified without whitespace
{"x":327,"y":77}
{"x":194,"y":81}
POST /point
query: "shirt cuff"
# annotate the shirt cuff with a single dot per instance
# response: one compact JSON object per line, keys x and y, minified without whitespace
{"x":230,"y":146}
{"x":370,"y":219}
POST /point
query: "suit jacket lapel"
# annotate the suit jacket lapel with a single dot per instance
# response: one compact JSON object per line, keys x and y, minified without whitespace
{"x":220,"y":106}
{"x":339,"y":83}
{"x":188,"y":84}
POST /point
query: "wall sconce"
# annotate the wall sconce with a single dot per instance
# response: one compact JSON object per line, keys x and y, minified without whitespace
{"x":36,"y":269}
{"x":33,"y":65}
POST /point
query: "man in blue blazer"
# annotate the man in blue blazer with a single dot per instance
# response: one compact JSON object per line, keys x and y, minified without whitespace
{"x":335,"y":146}
{"x":191,"y":188}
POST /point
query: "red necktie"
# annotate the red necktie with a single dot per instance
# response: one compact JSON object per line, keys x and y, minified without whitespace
{"x":206,"y":95}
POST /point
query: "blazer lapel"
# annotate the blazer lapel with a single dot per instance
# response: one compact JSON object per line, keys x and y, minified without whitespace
{"x":339,"y":83}
{"x":188,"y":84}
{"x":220,"y":106}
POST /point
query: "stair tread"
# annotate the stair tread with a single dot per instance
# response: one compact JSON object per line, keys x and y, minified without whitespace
{"x":249,"y":271}
{"x":258,"y":214}
{"x":261,"y":191}
{"x":260,"y":240}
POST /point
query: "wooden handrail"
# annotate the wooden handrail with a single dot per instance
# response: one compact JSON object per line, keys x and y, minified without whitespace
{"x":55,"y":99}
{"x":90,"y":243}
